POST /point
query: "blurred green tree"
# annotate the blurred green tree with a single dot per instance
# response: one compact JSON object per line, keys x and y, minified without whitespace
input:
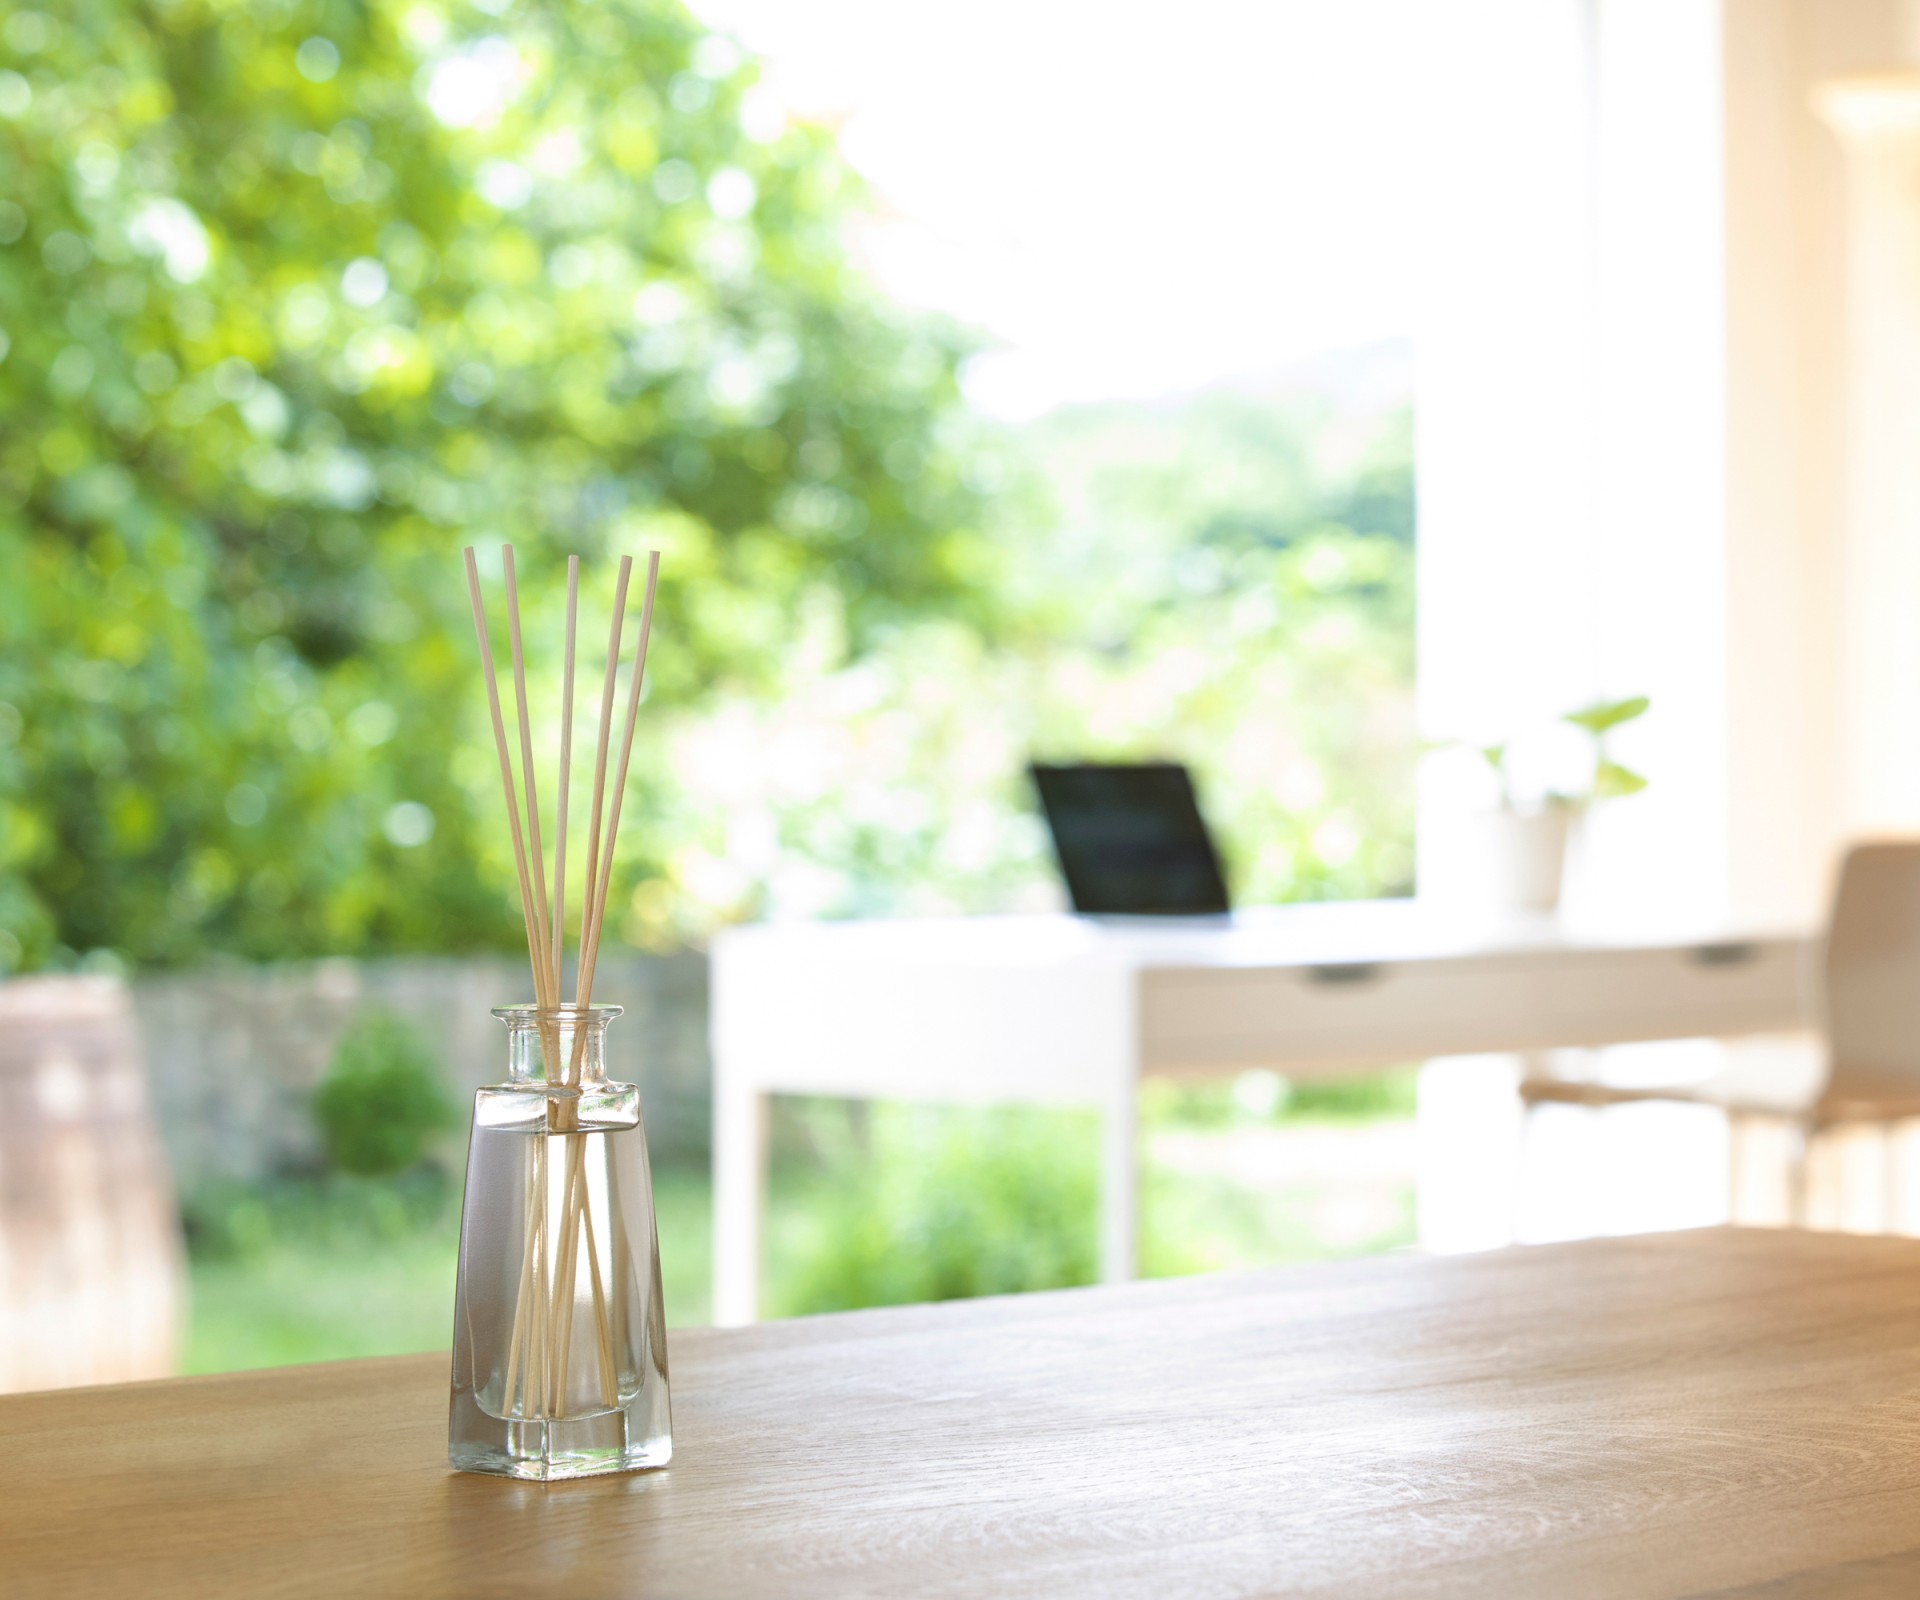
{"x":1223,"y":578}
{"x":1255,"y":618}
{"x":298,"y":296}
{"x":941,"y":1203}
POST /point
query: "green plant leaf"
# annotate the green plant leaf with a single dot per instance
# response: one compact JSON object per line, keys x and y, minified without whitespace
{"x":1611,"y":781}
{"x":1605,"y":715}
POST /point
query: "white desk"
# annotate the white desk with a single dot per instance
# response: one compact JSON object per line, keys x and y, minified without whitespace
{"x":1061,"y":1011}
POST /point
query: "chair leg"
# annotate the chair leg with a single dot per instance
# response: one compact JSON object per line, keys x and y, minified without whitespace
{"x":1798,"y":1161}
{"x":1516,"y":1197}
{"x":1890,"y":1216}
{"x":1736,"y":1165}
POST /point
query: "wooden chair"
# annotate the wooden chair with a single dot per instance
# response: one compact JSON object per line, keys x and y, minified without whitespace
{"x":1870,"y":1012}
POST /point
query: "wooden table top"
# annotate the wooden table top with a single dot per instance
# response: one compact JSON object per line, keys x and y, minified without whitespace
{"x":1712,"y":1413}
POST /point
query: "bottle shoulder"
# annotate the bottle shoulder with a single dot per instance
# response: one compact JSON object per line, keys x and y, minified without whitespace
{"x":604,"y":1107}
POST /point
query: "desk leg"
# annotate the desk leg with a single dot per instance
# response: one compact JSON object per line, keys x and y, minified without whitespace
{"x":739,"y":1196}
{"x":1119,"y":1187}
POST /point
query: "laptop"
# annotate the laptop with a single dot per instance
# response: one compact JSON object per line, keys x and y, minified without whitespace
{"x":1131,"y":841}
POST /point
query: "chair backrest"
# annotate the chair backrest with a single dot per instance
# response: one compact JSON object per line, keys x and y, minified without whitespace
{"x":1873,"y":971}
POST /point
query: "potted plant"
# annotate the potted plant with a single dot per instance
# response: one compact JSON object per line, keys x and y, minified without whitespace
{"x":1543,"y":786}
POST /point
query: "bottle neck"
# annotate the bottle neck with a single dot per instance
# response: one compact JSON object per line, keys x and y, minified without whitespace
{"x":559,"y":1045}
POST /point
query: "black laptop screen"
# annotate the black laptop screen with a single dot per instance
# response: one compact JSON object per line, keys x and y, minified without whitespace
{"x":1131,"y":840}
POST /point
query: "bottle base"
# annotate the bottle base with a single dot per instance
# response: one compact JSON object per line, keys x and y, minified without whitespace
{"x":546,"y":1451}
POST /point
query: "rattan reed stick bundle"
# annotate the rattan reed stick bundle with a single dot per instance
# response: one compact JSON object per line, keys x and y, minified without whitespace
{"x":540,"y":1346}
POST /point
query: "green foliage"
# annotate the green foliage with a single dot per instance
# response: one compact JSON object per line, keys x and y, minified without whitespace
{"x":1177,"y":584}
{"x":381,"y":1103}
{"x":299,"y":296}
{"x":237,"y":1222}
{"x":1260,"y":1099}
{"x":316,"y":1269}
{"x":1607,"y":779}
{"x":303,"y":1297}
{"x":1611,"y":781}
{"x":327,"y":1269}
{"x":893,"y":1204}
{"x":1235,"y":574}
{"x":936,"y":1204}
{"x":1605,"y":715}
{"x":1388,"y":1094}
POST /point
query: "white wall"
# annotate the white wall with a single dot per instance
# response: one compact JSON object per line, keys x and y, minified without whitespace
{"x":1503,"y":463}
{"x":1658,"y":550}
{"x":1877,"y":123}
{"x":1571,"y":499}
{"x":1669,"y":418}
{"x":1804,"y":721}
{"x":1504,"y":356}
{"x":1634,"y":454}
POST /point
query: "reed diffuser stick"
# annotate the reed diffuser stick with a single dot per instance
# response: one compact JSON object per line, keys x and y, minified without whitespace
{"x":500,"y":749}
{"x":536,"y":1191}
{"x":538,"y":1259}
{"x":540,"y":1343}
{"x":545,"y":989}
{"x":534,"y":1286}
{"x":583,"y":978}
{"x":566,"y":776}
{"x":582,"y":995}
{"x":562,"y":1276}
{"x":590,"y":952}
{"x":546,"y":984}
{"x":517,"y":1340}
{"x":575,"y":1216}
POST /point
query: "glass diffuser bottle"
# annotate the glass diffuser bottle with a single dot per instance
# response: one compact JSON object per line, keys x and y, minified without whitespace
{"x":559,"y":1339}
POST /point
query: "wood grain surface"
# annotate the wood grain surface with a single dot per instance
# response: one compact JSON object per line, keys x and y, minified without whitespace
{"x":1724,"y":1413}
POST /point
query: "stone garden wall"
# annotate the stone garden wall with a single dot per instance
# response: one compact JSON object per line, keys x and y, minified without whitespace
{"x":234,"y":1052}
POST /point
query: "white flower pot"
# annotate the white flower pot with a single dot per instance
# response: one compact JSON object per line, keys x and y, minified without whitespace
{"x":1523,"y":859}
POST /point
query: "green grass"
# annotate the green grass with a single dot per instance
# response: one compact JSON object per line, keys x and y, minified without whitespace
{"x":1209,"y":1224}
{"x":306,"y":1302}
{"x":314,"y":1278}
{"x":868,"y":1206}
